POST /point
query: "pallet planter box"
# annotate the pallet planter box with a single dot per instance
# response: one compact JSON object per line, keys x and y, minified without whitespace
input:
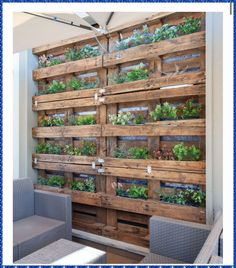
{"x":67,"y":131}
{"x":186,"y":42}
{"x":69,"y":99}
{"x":152,"y":207}
{"x":68,"y":68}
{"x":161,"y":128}
{"x":176,"y":74}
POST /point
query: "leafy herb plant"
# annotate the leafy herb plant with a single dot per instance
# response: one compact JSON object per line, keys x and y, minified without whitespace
{"x":54,"y":87}
{"x":121,"y":118}
{"x":139,"y":73}
{"x":82,"y":120}
{"x":87,"y":185}
{"x":87,"y":51}
{"x":165,"y":32}
{"x":187,"y":197}
{"x":133,"y":191}
{"x":52,"y":121}
{"x":138,"y":119}
{"x":138,"y":153}
{"x":47,"y":148}
{"x":163,"y":111}
{"x":189,"y":110}
{"x":78,"y":84}
{"x":54,"y":181}
{"x":163,"y":154}
{"x":190,"y":25}
{"x":187,"y":153}
{"x":87,"y":148}
{"x":47,"y":61}
{"x":120,"y":152}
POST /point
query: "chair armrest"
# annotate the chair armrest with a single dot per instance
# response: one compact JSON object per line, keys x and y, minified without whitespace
{"x":55,"y":206}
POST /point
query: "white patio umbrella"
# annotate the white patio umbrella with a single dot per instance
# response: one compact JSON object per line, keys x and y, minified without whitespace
{"x":36,"y":29}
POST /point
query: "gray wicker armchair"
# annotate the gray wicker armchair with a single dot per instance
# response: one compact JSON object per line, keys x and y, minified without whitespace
{"x":40,"y":218}
{"x":175,"y":241}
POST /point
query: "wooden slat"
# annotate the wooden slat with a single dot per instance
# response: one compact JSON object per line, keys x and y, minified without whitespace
{"x":170,"y":176}
{"x":170,"y":128}
{"x":68,"y":68}
{"x":186,"y":42}
{"x":149,"y":207}
{"x":186,"y":166}
{"x":155,"y":94}
{"x":52,"y":158}
{"x":67,"y":131}
{"x":156,"y":82}
{"x":65,"y":167}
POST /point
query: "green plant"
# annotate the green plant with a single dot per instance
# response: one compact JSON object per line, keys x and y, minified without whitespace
{"x":133,"y":191}
{"x":139,"y":73}
{"x":47,"y":148}
{"x":82,"y":120}
{"x":54,"y":181}
{"x":162,"y":154}
{"x":137,"y":38}
{"x":52,"y":121}
{"x":88,"y":148}
{"x":163,"y":111}
{"x":78,"y":84}
{"x":88,"y":51}
{"x":119,"y":152}
{"x":72,"y":54}
{"x":55,"y":87}
{"x":46,"y":61}
{"x":54,"y":62}
{"x":138,"y":153}
{"x":139,"y":119}
{"x":87,"y":185}
{"x":189,"y":110}
{"x":182,"y":152}
{"x":189,"y":197}
{"x":121,"y":118}
{"x":165,"y":32}
{"x":190,"y":25}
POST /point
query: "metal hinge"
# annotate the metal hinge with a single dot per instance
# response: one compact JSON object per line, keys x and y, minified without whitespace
{"x":149,"y":169}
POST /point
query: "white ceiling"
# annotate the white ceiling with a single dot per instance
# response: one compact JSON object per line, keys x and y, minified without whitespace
{"x":30,"y":31}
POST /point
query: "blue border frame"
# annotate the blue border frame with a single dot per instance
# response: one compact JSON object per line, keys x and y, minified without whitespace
{"x":1,"y":88}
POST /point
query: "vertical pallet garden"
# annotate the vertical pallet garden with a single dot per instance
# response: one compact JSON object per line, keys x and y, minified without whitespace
{"x":121,"y":126}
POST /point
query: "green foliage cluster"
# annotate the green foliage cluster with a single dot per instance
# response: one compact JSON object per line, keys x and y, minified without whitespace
{"x":163,"y":111}
{"x":166,"y":31}
{"x":139,"y":119}
{"x":121,"y":118}
{"x":78,"y":84}
{"x":189,"y":197}
{"x":138,"y":73}
{"x":187,"y":153}
{"x":52,"y":121}
{"x":47,"y":61}
{"x":187,"y":110}
{"x":47,"y":148}
{"x":133,"y":192}
{"x":54,"y":181}
{"x":131,"y":153}
{"x":87,"y":148}
{"x":86,"y":185}
{"x":54,"y":87}
{"x":87,"y":51}
{"x":82,"y":120}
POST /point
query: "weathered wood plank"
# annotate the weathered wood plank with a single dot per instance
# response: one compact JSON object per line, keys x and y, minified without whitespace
{"x":67,"y":131}
{"x":65,"y":167}
{"x":151,"y":207}
{"x":155,"y":94}
{"x":68,"y":67}
{"x":160,"y":175}
{"x":52,"y":158}
{"x":170,"y":128}
{"x":186,"y":42}
{"x":156,"y":83}
{"x":186,"y":166}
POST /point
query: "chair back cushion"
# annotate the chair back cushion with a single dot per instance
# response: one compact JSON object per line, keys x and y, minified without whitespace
{"x":177,"y":239}
{"x":23,"y":198}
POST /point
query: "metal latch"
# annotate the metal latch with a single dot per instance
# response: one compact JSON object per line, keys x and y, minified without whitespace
{"x":149,"y":169}
{"x":93,"y":165}
{"x":96,"y":97}
{"x":101,"y":170}
{"x":35,"y":160}
{"x":100,"y":160}
{"x":36,"y":103}
{"x":102,"y":90}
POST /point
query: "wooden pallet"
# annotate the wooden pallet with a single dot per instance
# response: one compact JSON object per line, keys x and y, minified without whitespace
{"x":177,"y":73}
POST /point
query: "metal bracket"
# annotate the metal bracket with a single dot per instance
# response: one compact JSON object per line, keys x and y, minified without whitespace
{"x":100,"y":160}
{"x":149,"y":169}
{"x":102,"y":90}
{"x":101,"y":170}
{"x":36,"y":103}
{"x":96,"y":97}
{"x":93,"y":165}
{"x":35,"y":160}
